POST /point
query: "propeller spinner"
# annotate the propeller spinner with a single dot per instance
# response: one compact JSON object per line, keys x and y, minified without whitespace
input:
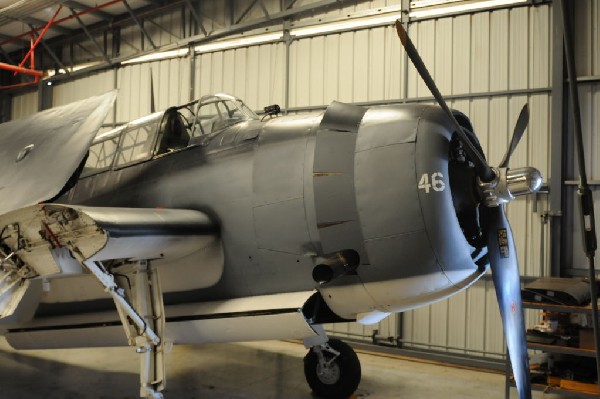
{"x":498,"y":186}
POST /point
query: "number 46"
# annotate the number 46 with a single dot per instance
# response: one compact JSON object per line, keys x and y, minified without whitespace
{"x":437,"y":182}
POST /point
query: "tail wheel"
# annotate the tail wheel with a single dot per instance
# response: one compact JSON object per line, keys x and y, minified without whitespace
{"x":336,"y":376}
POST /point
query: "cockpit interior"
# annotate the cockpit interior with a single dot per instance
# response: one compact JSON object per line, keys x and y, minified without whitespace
{"x":164,"y":132}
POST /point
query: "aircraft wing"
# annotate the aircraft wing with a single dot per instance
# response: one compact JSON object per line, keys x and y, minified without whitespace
{"x":39,"y":153}
{"x":52,"y":240}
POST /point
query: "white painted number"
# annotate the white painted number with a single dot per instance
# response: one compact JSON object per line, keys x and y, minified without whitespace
{"x":437,"y":182}
{"x":424,"y":183}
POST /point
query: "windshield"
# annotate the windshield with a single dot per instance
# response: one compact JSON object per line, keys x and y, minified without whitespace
{"x":218,"y":113}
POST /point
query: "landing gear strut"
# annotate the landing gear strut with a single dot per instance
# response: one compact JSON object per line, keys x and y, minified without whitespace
{"x":332,"y":370}
{"x":141,"y":310}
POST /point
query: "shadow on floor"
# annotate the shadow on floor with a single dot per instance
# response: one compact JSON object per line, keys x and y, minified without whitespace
{"x":210,"y":371}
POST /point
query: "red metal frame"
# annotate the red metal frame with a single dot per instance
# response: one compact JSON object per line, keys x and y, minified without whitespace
{"x":35,"y":41}
{"x":27,"y":71}
{"x":34,"y":45}
{"x":87,"y":11}
{"x":18,"y":69}
{"x":29,"y":56}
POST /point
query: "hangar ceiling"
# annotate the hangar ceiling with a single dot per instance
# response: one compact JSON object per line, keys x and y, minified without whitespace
{"x":55,"y":27}
{"x":19,"y":19}
{"x":60,"y":31}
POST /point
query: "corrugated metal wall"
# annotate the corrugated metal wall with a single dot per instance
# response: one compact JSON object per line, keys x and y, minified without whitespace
{"x":79,"y":89}
{"x":255,"y":74}
{"x":360,"y":66}
{"x":24,"y":104}
{"x":493,"y":63}
{"x":490,"y":63}
{"x":171,"y":81}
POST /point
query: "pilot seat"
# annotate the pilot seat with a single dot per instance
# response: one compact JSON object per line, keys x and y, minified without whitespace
{"x":174,"y":132}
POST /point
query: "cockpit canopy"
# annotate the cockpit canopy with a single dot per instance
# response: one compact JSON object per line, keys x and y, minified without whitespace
{"x":218,"y":111}
{"x":166,"y":131}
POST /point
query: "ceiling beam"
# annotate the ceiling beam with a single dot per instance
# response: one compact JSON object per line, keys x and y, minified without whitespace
{"x":246,"y":12}
{"x":256,"y":23}
{"x":89,"y":35}
{"x":51,"y":53}
{"x":139,"y":23}
{"x":196,"y":16}
{"x":7,"y":37}
{"x":122,"y":20}
{"x":82,"y":7}
{"x":7,"y":56}
{"x":264,"y":8}
{"x":34,"y":22}
{"x":161,"y":7}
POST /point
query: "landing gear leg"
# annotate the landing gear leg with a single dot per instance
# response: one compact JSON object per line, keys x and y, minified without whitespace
{"x":140,"y":307}
{"x":332,"y":370}
{"x":149,"y":304}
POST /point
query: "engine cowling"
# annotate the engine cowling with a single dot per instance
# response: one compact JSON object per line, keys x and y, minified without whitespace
{"x":404,"y":202}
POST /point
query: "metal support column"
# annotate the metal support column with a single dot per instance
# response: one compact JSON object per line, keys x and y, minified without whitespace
{"x":5,"y":107}
{"x":116,"y":42}
{"x":44,"y":95}
{"x":287,"y":40}
{"x":557,"y":144}
{"x":584,"y":193}
{"x":115,"y":86}
{"x":192,"y":64}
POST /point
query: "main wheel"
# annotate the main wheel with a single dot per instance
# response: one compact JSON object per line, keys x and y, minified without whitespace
{"x":340,"y":378}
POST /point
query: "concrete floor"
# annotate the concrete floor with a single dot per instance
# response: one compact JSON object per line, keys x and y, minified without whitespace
{"x":265,"y":370}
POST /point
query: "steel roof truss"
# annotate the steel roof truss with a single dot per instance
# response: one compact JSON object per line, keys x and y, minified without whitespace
{"x":138,"y":23}
{"x":89,"y":35}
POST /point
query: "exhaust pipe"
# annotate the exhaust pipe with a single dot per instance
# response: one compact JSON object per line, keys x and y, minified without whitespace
{"x":335,"y":265}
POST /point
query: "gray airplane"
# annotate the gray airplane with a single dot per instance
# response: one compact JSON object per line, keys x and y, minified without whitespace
{"x":205,"y":223}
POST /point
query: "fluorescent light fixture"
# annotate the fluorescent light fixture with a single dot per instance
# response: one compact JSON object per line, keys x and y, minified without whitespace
{"x":12,"y":6}
{"x":241,"y":42}
{"x":74,"y":68}
{"x":345,"y":25}
{"x":182,"y":52}
{"x":429,"y":3}
{"x":461,"y":7}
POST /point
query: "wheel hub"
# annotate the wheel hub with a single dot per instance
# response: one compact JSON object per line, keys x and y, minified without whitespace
{"x":329,"y":374}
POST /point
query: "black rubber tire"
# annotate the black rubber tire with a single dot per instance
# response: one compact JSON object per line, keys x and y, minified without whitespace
{"x":348,"y":366}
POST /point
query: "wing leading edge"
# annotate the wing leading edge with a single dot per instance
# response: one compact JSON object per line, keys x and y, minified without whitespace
{"x":52,"y":241}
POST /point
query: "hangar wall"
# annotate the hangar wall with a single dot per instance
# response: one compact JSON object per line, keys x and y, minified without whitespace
{"x":488,"y":64}
{"x":24,"y":104}
{"x":587,"y":58}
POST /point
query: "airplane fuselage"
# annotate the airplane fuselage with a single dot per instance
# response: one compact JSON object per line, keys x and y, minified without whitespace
{"x":287,"y":193}
{"x":265,"y":191}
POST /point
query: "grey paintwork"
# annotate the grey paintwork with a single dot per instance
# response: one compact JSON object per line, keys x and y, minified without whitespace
{"x":288,"y":191}
{"x":333,"y":180}
{"x":273,"y":224}
{"x":40,"y":153}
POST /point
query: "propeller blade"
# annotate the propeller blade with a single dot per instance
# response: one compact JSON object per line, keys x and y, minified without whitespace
{"x":520,"y":127}
{"x":505,"y":273}
{"x":484,"y":171}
